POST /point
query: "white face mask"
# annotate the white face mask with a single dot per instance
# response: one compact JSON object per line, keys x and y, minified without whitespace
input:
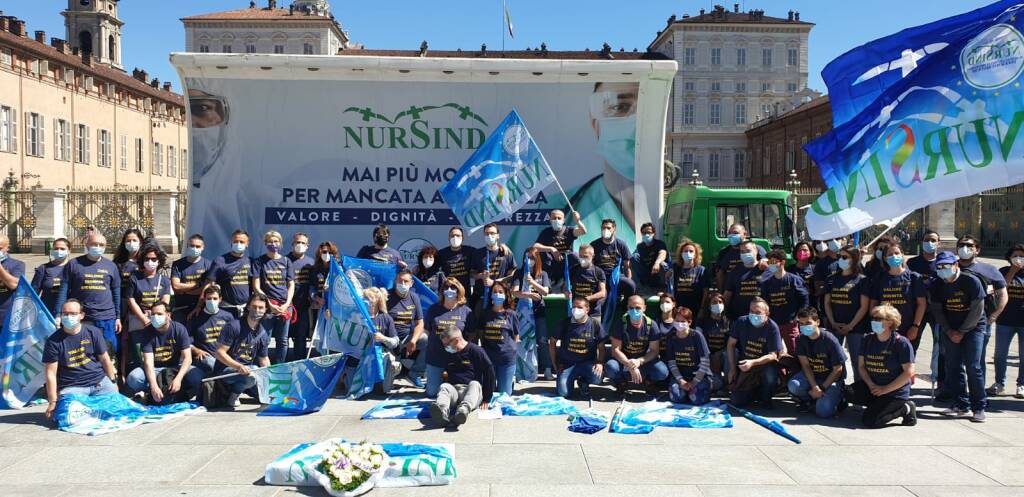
{"x":150,"y":265}
{"x":965,"y":253}
{"x":207,"y":145}
{"x":584,"y":263}
{"x":300,"y":248}
{"x":607,"y":234}
{"x":325,"y":257}
{"x":428,"y":262}
{"x":666,"y":307}
{"x":717,"y":308}
{"x":1017,"y":261}
{"x":455,"y":241}
{"x":578,"y":313}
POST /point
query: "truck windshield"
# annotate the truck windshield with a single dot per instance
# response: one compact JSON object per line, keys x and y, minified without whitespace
{"x":679,"y":216}
{"x":763,"y":221}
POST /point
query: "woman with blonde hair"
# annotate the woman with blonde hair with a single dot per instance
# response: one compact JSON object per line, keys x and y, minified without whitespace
{"x":274,"y":276}
{"x":450,"y":310}
{"x":886,"y":367}
{"x":690,"y":280}
{"x":384,"y":334}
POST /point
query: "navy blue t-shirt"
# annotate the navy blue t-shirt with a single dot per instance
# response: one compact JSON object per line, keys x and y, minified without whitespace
{"x":745,"y":284}
{"x":497,"y":332}
{"x":1013,"y":314}
{"x":578,"y":342}
{"x":471,"y":364}
{"x":648,"y":254}
{"x":274,"y":276}
{"x":884,"y":360}
{"x":456,"y":263}
{"x":586,"y":282}
{"x":715,"y":331}
{"x":17,"y":269}
{"x":439,"y":319}
{"x":147,"y":291}
{"x":995,"y":278}
{"x":94,"y":285}
{"x":189,"y":272}
{"x":690,"y":285}
{"x":206,"y":329}
{"x":232,"y":274}
{"x":46,"y":281}
{"x":825,"y":267}
{"x":303,"y":269}
{"x":245,"y":345}
{"x":823,"y":354}
{"x":607,"y":255}
{"x":806,"y":273}
{"x":687,"y":352}
{"x":754,"y":342}
{"x":845,"y":293}
{"x":500,"y":266}
{"x":77,"y":356}
{"x":785,"y":296}
{"x":900,"y":291}
{"x":636,"y":340}
{"x":956,"y":299}
{"x":383,"y":324}
{"x":386,"y":254}
{"x":166,"y":346}
{"x":404,"y":311}
{"x":563,"y":242}
{"x":729,"y":258}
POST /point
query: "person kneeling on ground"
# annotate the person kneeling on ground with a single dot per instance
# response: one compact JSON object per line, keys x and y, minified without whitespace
{"x":822,"y":360}
{"x":689,"y":361}
{"x":470,"y":384}
{"x":244,"y":343}
{"x":76,"y":359}
{"x":635,"y":350}
{"x":753,"y":352}
{"x":577,"y":350}
{"x":886,"y":367}
{"x":166,"y":345}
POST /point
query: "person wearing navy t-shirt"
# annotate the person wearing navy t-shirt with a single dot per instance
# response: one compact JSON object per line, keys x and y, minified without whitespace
{"x":714,"y":325}
{"x":754,"y":348}
{"x":577,"y":350}
{"x":635,"y":352}
{"x":146,"y":286}
{"x":231,"y":272}
{"x":691,"y":281}
{"x":455,"y":258}
{"x":407,"y":313}
{"x":886,"y":370}
{"x":126,"y":257}
{"x":274,"y":276}
{"x":609,"y":252}
{"x":165,"y":344}
{"x":958,"y":304}
{"x":729,"y":257}
{"x":826,"y":265}
{"x":380,"y":251}
{"x":556,"y":243}
{"x":847,"y":303}
{"x":205,"y":328}
{"x":449,"y":311}
{"x":689,"y":361}
{"x":650,"y":259}
{"x":820,"y":380}
{"x":785,"y":294}
{"x":384,"y":335}
{"x":902,"y":289}
{"x":244,"y":343}
{"x":1011,"y":321}
{"x":497,"y":330}
{"x":427,"y":270}
{"x":11,"y":271}
{"x":494,"y":262}
{"x":95,"y":282}
{"x":302,"y":265}
{"x":587,"y":280}
{"x":46,"y":280}
{"x":535,"y":286}
{"x":968,"y":248}
{"x":187,"y":277}
{"x":75,"y":359}
{"x":804,"y":267}
{"x":744,"y":282}
{"x":923,"y":264}
{"x":470,"y":382}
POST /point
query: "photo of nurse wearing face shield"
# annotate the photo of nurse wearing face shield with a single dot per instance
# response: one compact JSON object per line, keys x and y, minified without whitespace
{"x":209,"y":122}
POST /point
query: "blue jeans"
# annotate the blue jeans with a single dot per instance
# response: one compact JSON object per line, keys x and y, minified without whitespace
{"x":763,"y":392}
{"x":541,"y":331}
{"x":581,"y":371}
{"x":1004,"y":335}
{"x":136,"y":380}
{"x":419,"y":364}
{"x":506,"y":375}
{"x":300,"y":332}
{"x":109,"y":329}
{"x":434,"y":375}
{"x":238,"y":384}
{"x":825,"y":407}
{"x":698,"y":396}
{"x":105,"y":386}
{"x":655,"y":371}
{"x":279,"y":326}
{"x":969,"y":355}
{"x":854,"y":344}
{"x":205,"y":365}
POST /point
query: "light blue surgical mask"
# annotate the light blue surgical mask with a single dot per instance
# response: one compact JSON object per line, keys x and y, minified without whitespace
{"x":834,"y":245}
{"x":688,"y":256}
{"x":844,"y":264}
{"x":402,"y":288}
{"x":132,"y":246}
{"x":878,"y":254}
{"x":929,"y":247}
{"x":946,"y":273}
{"x":58,"y":254}
{"x":717,"y":308}
{"x":747,"y":258}
{"x":498,"y":298}
{"x":807,"y":329}
{"x":96,"y":251}
{"x":617,"y":144}
{"x":450,"y":349}
{"x":556,"y":224}
{"x":648,"y":239}
{"x":877,"y":327}
{"x":69,"y":322}
{"x":894,"y":260}
{"x":773,"y":268}
{"x":735,"y":239}
{"x":193,"y":252}
{"x":451,"y":293}
{"x":756,"y":319}
{"x":158,"y":320}
{"x":3,"y":256}
{"x":635,"y":314}
{"x":238,"y":248}
{"x":212,"y":306}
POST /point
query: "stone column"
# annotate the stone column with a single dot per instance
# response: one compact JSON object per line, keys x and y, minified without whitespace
{"x":49,"y":213}
{"x":165,"y":219}
{"x":941,"y":217}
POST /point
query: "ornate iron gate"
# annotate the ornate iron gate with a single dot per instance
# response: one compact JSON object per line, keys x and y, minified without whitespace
{"x":994,"y":217}
{"x":109,"y":211}
{"x":18,"y":215}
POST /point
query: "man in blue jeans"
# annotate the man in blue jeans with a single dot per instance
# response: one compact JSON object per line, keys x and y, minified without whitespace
{"x":957,"y":301}
{"x":577,"y":350}
{"x":95,"y":282}
{"x":753,"y":352}
{"x":822,"y":359}
{"x":165,"y":344}
{"x":636,"y":350}
{"x":75,"y":358}
{"x":242,"y":344}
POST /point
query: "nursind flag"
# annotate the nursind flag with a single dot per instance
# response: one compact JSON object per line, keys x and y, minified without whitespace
{"x":508,"y":20}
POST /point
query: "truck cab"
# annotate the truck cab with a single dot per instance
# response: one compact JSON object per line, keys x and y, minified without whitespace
{"x":704,"y":215}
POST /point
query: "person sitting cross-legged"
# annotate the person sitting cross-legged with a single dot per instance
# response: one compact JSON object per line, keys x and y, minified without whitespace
{"x":820,"y":380}
{"x":577,"y":349}
{"x":165,"y":345}
{"x":470,"y":384}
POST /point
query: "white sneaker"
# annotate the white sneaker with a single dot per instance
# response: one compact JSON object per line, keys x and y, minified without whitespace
{"x":957,"y":412}
{"x":995,"y":389}
{"x":1020,"y":392}
{"x":233,"y":401}
{"x":978,"y":417}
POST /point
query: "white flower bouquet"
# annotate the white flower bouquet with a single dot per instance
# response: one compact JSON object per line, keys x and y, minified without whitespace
{"x":348,"y":470}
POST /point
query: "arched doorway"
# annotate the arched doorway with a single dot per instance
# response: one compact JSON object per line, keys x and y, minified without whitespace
{"x":111,"y":49}
{"x":85,"y":42}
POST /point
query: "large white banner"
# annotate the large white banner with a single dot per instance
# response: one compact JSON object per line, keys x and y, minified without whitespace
{"x":335,"y":151}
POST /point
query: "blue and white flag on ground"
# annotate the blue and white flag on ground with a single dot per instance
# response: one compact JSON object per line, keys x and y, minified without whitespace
{"x":947,"y":129}
{"x":399,"y":409}
{"x":611,"y":302}
{"x":644,"y":418}
{"x":409,"y":465}
{"x":344,"y":326}
{"x":381,"y":274}
{"x":589,"y":421}
{"x":526,"y":349}
{"x":427,"y":296}
{"x":29,"y":324}
{"x":298,"y":387}
{"x":532,"y":405}
{"x":102,"y":414}
{"x":499,"y":178}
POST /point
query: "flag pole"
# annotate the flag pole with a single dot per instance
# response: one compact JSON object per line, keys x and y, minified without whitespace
{"x":503,"y":27}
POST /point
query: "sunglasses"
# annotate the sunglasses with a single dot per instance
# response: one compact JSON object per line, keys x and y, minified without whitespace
{"x":971,"y":245}
{"x":154,"y":259}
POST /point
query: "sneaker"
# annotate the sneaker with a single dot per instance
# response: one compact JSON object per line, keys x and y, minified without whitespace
{"x":803,"y":406}
{"x":1020,"y":392}
{"x":843,"y":405}
{"x":996,"y":389}
{"x":548,"y":376}
{"x":417,"y":381}
{"x":910,"y":418}
{"x":438,"y":415}
{"x":978,"y":417}
{"x":233,"y":401}
{"x":620,"y":388}
{"x":584,"y":392}
{"x":944,"y":396}
{"x":956,"y":412}
{"x":461,"y":415}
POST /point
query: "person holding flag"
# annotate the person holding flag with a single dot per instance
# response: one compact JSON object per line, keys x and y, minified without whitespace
{"x":493,"y":263}
{"x":11,"y":270}
{"x":406,"y":311}
{"x":611,"y":252}
{"x":531,"y":282}
{"x":243,"y":344}
{"x":555,"y":243}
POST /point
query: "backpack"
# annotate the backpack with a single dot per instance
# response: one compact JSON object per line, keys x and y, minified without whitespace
{"x":986,"y":284}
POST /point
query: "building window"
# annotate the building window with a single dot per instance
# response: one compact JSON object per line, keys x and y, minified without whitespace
{"x":35,"y":134}
{"x":713,"y":165}
{"x":690,"y":86}
{"x":226,"y":49}
{"x":82,"y":144}
{"x":124,"y":153}
{"x":140,"y":163}
{"x":715,"y":114}
{"x":741,"y":87}
{"x":307,"y":49}
{"x":8,"y":129}
{"x":791,"y":87}
{"x":716,"y":86}
{"x":716,"y":56}
{"x":104,"y":141}
{"x":688,"y":162}
{"x":5,"y":57}
{"x":766,"y":87}
{"x":766,"y":111}
{"x":158,"y":159}
{"x":766,"y":57}
{"x":741,"y":113}
{"x":688,"y":114}
{"x":739,"y":164}
{"x":250,"y":48}
{"x":804,"y":162}
{"x":278,"y":48}
{"x":184,"y":163}
{"x":61,"y":140}
{"x":172,"y":162}
{"x":689,"y":56}
{"x":791,"y":57}
{"x":204,"y":48}
{"x":741,"y":56}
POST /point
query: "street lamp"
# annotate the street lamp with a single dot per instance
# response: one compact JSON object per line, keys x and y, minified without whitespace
{"x":695,"y":178}
{"x":793,"y":184}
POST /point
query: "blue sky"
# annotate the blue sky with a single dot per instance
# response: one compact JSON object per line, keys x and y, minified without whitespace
{"x":153,"y":28}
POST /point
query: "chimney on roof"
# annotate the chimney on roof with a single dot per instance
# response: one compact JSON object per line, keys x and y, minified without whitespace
{"x":271,"y":4}
{"x":143,"y":75}
{"x":252,"y":4}
{"x":606,"y":51}
{"x":483,"y":48}
{"x":86,"y":58}
{"x":672,"y":19}
{"x":736,"y":8}
{"x":41,"y":36}
{"x":167,"y":86}
{"x":423,"y":49}
{"x":544,"y":49}
{"x":791,"y":15}
{"x":74,"y":51}
{"x":59,"y":44}
{"x":797,"y":16}
{"x":701,"y":11}
{"x":155,"y":83}
{"x":18,"y":27}
{"x":5,"y":23}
